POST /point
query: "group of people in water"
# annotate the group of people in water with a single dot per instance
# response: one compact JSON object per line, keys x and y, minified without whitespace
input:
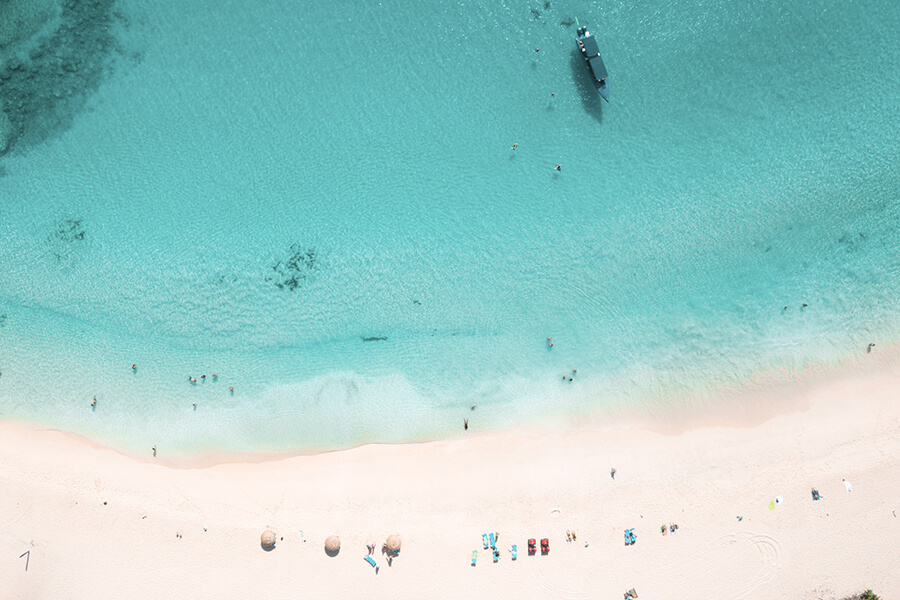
{"x":191,"y":379}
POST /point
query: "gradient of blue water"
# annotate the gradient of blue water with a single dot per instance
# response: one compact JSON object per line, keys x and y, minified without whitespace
{"x":748,"y":161}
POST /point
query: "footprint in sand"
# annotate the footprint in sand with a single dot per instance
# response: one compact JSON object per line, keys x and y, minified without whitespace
{"x":730,"y":568}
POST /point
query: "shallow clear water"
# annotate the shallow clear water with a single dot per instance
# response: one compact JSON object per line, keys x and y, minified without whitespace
{"x":254,"y":191}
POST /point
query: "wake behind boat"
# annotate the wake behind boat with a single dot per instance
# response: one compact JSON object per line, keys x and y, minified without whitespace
{"x":587,"y":45}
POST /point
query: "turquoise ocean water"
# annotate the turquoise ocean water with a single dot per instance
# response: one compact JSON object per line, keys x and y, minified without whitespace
{"x":319,"y":202}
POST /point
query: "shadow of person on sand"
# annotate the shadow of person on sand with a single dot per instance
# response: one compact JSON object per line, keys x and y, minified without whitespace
{"x":590,"y":97}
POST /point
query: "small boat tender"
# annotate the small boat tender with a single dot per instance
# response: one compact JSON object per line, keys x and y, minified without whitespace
{"x":587,"y":45}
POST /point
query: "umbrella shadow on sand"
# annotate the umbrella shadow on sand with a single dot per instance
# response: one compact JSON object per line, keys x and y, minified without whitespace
{"x":590,"y":98}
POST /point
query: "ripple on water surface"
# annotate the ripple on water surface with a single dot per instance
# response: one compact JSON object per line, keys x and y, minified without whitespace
{"x":356,"y":248}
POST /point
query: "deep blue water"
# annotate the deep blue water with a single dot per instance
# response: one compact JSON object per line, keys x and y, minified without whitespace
{"x":256,"y":189}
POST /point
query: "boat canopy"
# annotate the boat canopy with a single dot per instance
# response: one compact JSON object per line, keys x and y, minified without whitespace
{"x":590,"y":46}
{"x":597,"y":67}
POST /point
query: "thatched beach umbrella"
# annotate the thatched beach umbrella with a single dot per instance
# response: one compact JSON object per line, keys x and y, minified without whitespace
{"x":267,"y":539}
{"x":332,"y":544}
{"x":393,"y":543}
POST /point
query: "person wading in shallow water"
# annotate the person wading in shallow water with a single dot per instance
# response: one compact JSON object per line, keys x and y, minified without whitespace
{"x":465,"y":424}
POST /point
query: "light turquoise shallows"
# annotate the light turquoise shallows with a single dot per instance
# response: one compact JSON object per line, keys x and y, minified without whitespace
{"x":275,"y":183}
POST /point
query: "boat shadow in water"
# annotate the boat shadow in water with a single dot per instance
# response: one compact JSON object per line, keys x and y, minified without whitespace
{"x":590,"y":98}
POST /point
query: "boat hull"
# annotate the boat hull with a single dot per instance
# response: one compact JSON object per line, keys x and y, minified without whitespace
{"x":590,"y":52}
{"x":603,"y":90}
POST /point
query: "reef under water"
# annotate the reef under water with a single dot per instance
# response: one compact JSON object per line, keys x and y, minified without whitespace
{"x":53,"y":54}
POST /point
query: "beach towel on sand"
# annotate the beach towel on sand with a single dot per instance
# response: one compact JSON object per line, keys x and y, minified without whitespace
{"x":847,"y":485}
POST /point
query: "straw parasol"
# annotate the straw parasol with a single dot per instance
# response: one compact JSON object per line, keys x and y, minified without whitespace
{"x":332,"y":544}
{"x":267,"y":539}
{"x":393,"y":543}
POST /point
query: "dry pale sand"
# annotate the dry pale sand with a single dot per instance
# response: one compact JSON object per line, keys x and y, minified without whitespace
{"x":79,"y":509}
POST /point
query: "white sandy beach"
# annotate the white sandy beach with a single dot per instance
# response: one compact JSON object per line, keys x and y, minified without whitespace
{"x":79,"y":509}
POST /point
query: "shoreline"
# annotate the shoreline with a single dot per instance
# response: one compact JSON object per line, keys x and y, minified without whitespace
{"x":767,"y":395}
{"x":78,"y":508}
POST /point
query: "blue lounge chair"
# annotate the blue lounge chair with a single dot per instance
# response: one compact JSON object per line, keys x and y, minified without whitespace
{"x":371,"y":561}
{"x":514,"y":552}
{"x":493,"y":541}
{"x":484,"y":539}
{"x":474,"y":556}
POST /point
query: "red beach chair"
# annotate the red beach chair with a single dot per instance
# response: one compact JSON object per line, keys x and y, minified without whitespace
{"x":545,"y":546}
{"x":532,"y":547}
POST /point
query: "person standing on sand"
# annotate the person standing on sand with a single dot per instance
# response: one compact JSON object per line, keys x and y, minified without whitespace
{"x":154,"y":451}
{"x":612,"y":472}
{"x":869,"y":349}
